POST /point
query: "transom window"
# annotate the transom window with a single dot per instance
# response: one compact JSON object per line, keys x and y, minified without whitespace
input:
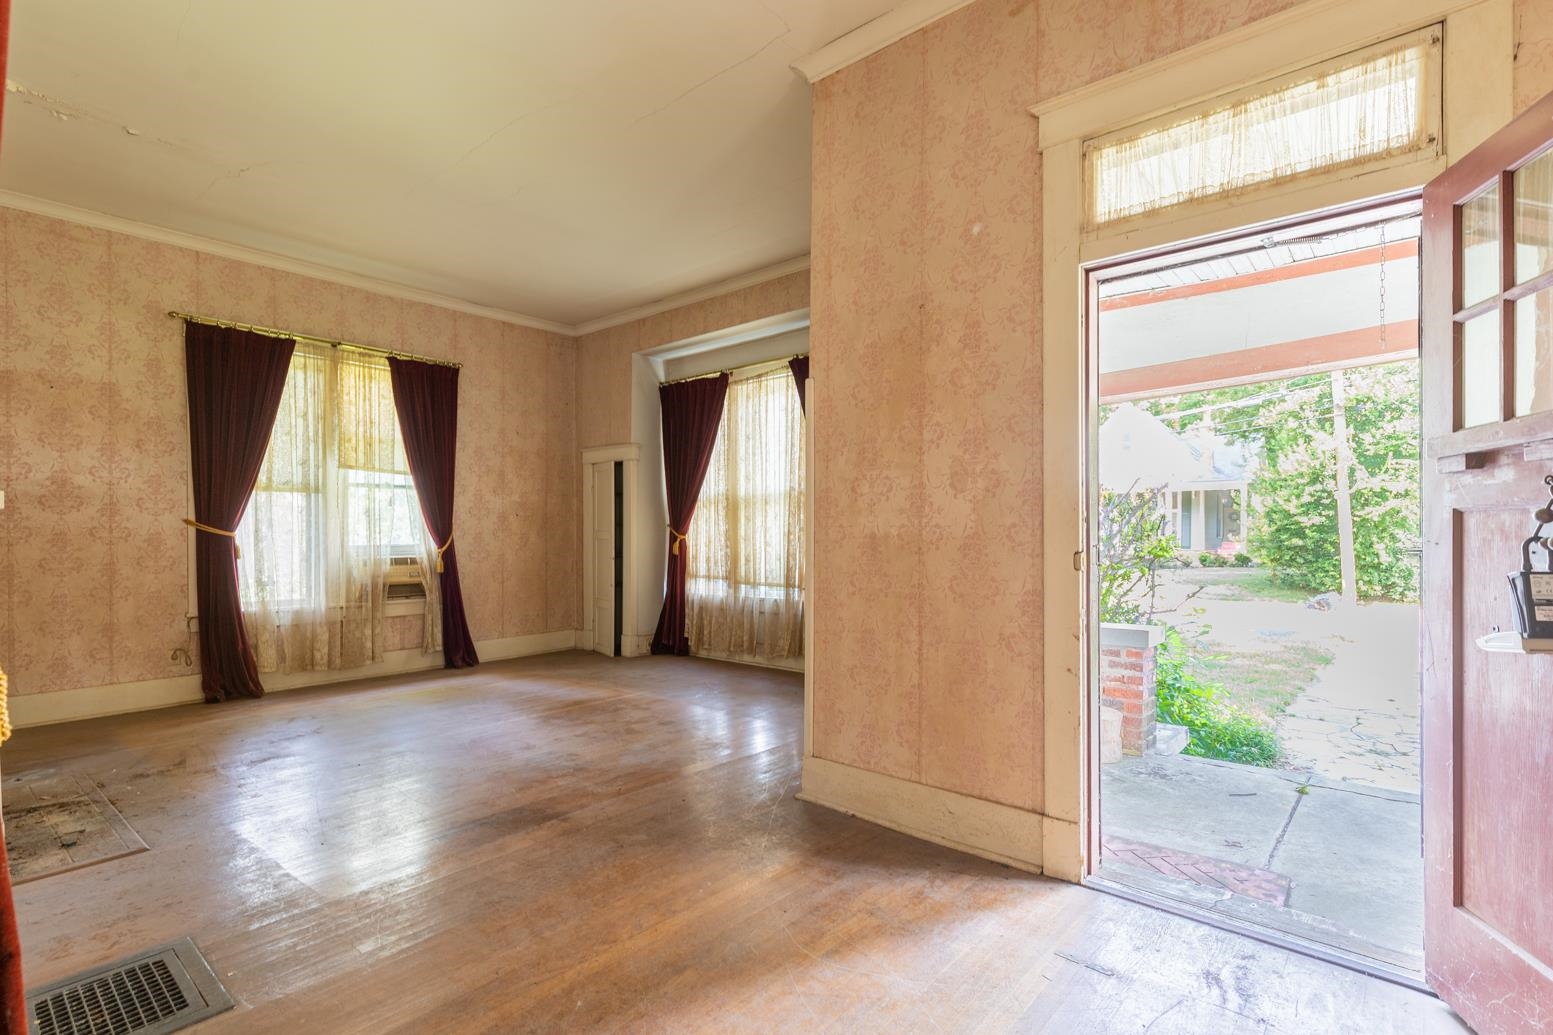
{"x":1370,"y":106}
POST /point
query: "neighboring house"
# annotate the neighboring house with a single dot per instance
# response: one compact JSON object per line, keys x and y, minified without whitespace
{"x":1205,"y":477}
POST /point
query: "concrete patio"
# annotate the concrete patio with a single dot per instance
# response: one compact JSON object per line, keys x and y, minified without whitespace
{"x":1332,"y":861}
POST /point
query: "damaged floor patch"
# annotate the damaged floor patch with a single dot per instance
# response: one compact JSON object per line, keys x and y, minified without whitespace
{"x":56,"y":822}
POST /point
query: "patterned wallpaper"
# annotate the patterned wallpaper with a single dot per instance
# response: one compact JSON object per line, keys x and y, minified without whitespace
{"x":927,"y":452}
{"x":926,"y":340}
{"x":94,"y":448}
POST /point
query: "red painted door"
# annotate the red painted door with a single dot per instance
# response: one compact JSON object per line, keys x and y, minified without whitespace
{"x":1487,"y":326}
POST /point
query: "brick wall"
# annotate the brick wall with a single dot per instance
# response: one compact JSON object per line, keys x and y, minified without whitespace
{"x":1127,"y":682}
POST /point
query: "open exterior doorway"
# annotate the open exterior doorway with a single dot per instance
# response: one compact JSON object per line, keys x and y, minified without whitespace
{"x":1256,"y":593}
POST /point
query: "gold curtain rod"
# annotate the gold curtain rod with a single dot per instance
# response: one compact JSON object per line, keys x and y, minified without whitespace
{"x":275,"y":332}
{"x":734,"y":370}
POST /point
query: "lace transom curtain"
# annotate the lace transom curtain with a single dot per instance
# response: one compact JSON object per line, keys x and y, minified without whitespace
{"x":1370,"y":106}
{"x":333,"y":504}
{"x":744,"y":590}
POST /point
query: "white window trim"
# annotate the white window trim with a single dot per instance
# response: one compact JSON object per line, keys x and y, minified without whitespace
{"x":1428,"y":150}
{"x":1478,"y":99}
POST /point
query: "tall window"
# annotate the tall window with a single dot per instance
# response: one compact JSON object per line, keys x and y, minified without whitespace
{"x":333,"y":504}
{"x":744,"y":588}
{"x":1369,"y":106}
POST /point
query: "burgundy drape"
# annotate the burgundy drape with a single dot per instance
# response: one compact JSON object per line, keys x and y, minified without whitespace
{"x":799,"y":365}
{"x":426,"y":399}
{"x":235,"y":383}
{"x":692,"y":411}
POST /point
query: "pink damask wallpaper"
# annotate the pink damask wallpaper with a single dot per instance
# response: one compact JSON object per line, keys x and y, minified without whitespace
{"x":927,"y":483}
{"x":926,"y":359}
{"x":94,"y":448}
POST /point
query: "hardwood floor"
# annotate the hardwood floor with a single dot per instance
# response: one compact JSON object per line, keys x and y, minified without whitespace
{"x":576,"y":844}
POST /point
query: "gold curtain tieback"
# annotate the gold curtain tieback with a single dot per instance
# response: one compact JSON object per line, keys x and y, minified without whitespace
{"x":5,"y":712}
{"x":442,"y":550}
{"x":679,"y":537}
{"x":237,"y":551}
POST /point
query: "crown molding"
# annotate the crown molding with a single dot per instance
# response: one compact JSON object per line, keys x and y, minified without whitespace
{"x":872,"y":37}
{"x":700,"y":294}
{"x":272,"y":260}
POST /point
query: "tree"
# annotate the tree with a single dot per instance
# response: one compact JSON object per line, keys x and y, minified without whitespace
{"x":1347,"y":566}
{"x":1291,"y":424}
{"x":1295,"y":530}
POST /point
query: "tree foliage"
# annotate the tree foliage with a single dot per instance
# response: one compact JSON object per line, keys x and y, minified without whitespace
{"x":1289,"y":425}
{"x":1294,"y":524}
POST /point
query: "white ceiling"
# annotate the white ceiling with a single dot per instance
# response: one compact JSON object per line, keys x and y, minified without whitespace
{"x":560,"y":159}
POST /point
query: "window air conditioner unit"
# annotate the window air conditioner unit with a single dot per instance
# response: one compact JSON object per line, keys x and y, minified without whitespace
{"x":405,"y":580}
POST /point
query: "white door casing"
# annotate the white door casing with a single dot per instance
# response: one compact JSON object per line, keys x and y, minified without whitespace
{"x":1477,"y":99}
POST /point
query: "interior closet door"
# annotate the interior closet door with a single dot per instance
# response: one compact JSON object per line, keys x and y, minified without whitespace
{"x":605,"y":548}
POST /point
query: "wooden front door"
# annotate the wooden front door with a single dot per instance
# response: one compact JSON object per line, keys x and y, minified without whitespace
{"x":1487,"y":323}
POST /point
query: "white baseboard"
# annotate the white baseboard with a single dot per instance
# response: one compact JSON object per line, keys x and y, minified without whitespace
{"x":989,"y":829}
{"x":524,"y":646}
{"x":1062,"y":849}
{"x":91,"y":702}
{"x":782,"y":664}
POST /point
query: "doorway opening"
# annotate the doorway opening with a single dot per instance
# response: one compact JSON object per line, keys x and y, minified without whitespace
{"x":605,"y":521}
{"x":1255,"y":505}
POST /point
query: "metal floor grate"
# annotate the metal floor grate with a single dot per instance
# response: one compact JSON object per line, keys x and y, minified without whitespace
{"x":151,"y":993}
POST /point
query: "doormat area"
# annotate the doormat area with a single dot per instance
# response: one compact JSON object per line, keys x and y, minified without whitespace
{"x":1261,"y":885}
{"x":56,"y":822}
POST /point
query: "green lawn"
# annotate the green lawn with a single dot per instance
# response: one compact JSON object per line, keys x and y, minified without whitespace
{"x":1262,"y":675}
{"x":1243,"y":584}
{"x":1263,"y":680}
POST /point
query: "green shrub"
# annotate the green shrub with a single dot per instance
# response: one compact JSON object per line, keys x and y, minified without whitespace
{"x":1134,"y":542}
{"x":1217,"y":729}
{"x":1243,"y":560}
{"x":1212,"y":560}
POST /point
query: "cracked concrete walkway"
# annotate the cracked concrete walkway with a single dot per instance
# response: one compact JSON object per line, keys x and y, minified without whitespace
{"x":1351,"y":851}
{"x":1359,"y":720}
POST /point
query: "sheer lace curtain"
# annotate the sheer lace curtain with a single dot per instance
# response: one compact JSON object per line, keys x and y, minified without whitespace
{"x":1367,"y":108}
{"x":333,"y":504}
{"x":744,"y":594}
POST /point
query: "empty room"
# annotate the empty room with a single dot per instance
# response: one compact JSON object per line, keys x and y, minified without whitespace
{"x":776,"y":516}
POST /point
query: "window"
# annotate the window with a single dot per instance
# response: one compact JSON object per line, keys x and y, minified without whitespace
{"x":333,"y":503}
{"x":1369,"y":106}
{"x":744,"y":586}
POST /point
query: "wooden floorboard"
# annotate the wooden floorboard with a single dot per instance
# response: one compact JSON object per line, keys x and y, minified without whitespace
{"x":578,"y":844}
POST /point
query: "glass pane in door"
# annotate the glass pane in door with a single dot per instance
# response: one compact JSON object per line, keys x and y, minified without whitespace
{"x":1480,"y":226}
{"x":1534,"y":353}
{"x":1534,"y":218}
{"x":1481,"y":372}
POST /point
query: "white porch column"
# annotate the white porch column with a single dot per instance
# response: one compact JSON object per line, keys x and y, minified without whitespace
{"x":1199,"y":522}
